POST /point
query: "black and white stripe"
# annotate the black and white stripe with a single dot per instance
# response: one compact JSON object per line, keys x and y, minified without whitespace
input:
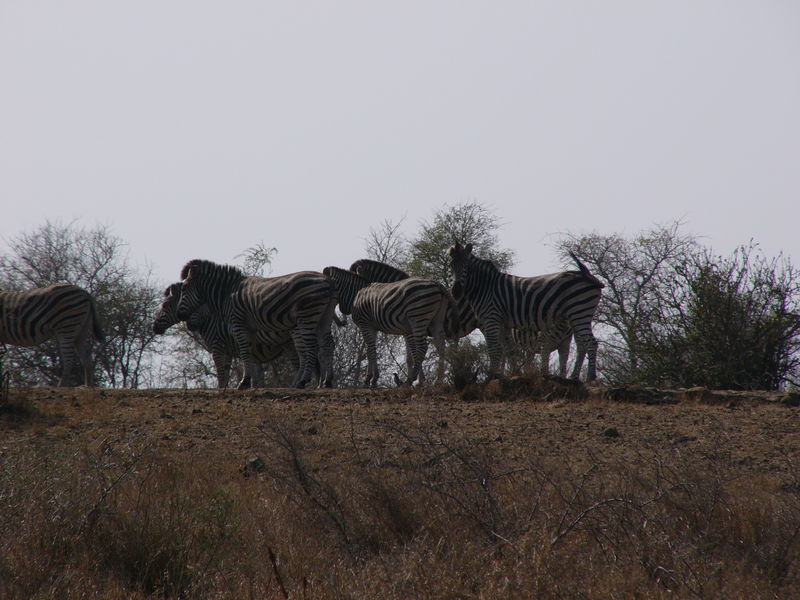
{"x":411,"y":307}
{"x":503,"y":302}
{"x":213,"y":333}
{"x":299,"y":304}
{"x":460,"y":319}
{"x":62,"y":311}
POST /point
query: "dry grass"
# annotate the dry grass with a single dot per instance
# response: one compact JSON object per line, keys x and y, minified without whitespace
{"x":396,"y":502}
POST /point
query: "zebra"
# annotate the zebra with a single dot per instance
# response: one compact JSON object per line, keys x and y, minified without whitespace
{"x":411,"y":307}
{"x":298,"y":304}
{"x":504,"y":301}
{"x":557,"y":337}
{"x":62,"y":311}
{"x":215,"y":336}
{"x":460,"y":318}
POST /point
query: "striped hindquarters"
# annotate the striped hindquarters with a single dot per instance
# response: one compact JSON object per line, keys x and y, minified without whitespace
{"x":35,"y":316}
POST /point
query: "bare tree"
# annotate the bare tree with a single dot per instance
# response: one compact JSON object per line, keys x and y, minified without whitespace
{"x":674,"y":313}
{"x":387,"y":243}
{"x":93,"y":259}
{"x":470,"y":222}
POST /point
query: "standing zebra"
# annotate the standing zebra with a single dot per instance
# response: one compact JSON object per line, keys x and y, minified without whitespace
{"x":299,"y":304}
{"x":62,"y":311}
{"x":557,"y":337}
{"x":460,"y":319}
{"x":503,"y":301}
{"x":215,"y":336}
{"x":411,"y":307}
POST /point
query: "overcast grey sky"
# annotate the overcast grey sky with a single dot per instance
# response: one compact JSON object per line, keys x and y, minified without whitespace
{"x":195,"y":129}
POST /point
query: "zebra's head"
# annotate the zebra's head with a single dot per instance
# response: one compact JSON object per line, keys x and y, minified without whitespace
{"x":347,"y":286}
{"x":460,"y":262}
{"x":190,"y":297}
{"x":167,"y":314}
{"x":206,"y":282}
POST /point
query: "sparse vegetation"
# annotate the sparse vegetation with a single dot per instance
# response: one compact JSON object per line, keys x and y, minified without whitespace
{"x":397,"y":494}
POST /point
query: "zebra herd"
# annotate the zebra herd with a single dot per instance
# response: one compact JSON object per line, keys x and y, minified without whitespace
{"x":260,"y":318}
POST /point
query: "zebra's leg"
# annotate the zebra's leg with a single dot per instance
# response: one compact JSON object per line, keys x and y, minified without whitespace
{"x":370,"y":340}
{"x":592,"y":353}
{"x":240,"y":334}
{"x":545,"y":346}
{"x":409,"y":361}
{"x":563,"y":355}
{"x":580,"y":354}
{"x":308,"y":350}
{"x":587,"y":345}
{"x":257,"y":371}
{"x":327,"y":347}
{"x":222,"y":363}
{"x":440,"y":343}
{"x":419,"y":346}
{"x":66,"y":347}
{"x":493,"y":332}
{"x":300,"y":362}
{"x":84,"y":346}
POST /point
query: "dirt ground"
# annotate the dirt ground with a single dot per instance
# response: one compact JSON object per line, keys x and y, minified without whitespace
{"x":757,"y":431}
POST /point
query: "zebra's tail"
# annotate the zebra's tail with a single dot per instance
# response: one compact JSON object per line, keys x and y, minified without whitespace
{"x":585,"y":271}
{"x":97,"y":330}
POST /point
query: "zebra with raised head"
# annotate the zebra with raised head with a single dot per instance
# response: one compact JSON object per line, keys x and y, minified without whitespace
{"x":62,"y":311}
{"x":504,"y":302}
{"x":411,"y":307}
{"x":215,"y":336}
{"x":299,"y":304}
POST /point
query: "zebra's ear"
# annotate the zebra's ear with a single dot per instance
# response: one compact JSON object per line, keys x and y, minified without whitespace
{"x":468,"y":249}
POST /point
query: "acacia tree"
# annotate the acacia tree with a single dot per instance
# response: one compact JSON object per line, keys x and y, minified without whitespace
{"x":93,"y":259}
{"x":465,"y":223}
{"x":739,"y":327}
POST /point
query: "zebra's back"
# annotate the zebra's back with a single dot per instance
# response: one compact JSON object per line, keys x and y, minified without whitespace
{"x":392,"y":307}
{"x":279,"y":303}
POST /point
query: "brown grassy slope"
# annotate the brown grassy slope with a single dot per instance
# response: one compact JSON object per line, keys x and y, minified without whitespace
{"x":399,"y":493}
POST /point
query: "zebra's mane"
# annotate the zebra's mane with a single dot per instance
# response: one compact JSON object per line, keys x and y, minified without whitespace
{"x":476,"y":262}
{"x":207,"y":266}
{"x":344,"y":275}
{"x":374,"y":270}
